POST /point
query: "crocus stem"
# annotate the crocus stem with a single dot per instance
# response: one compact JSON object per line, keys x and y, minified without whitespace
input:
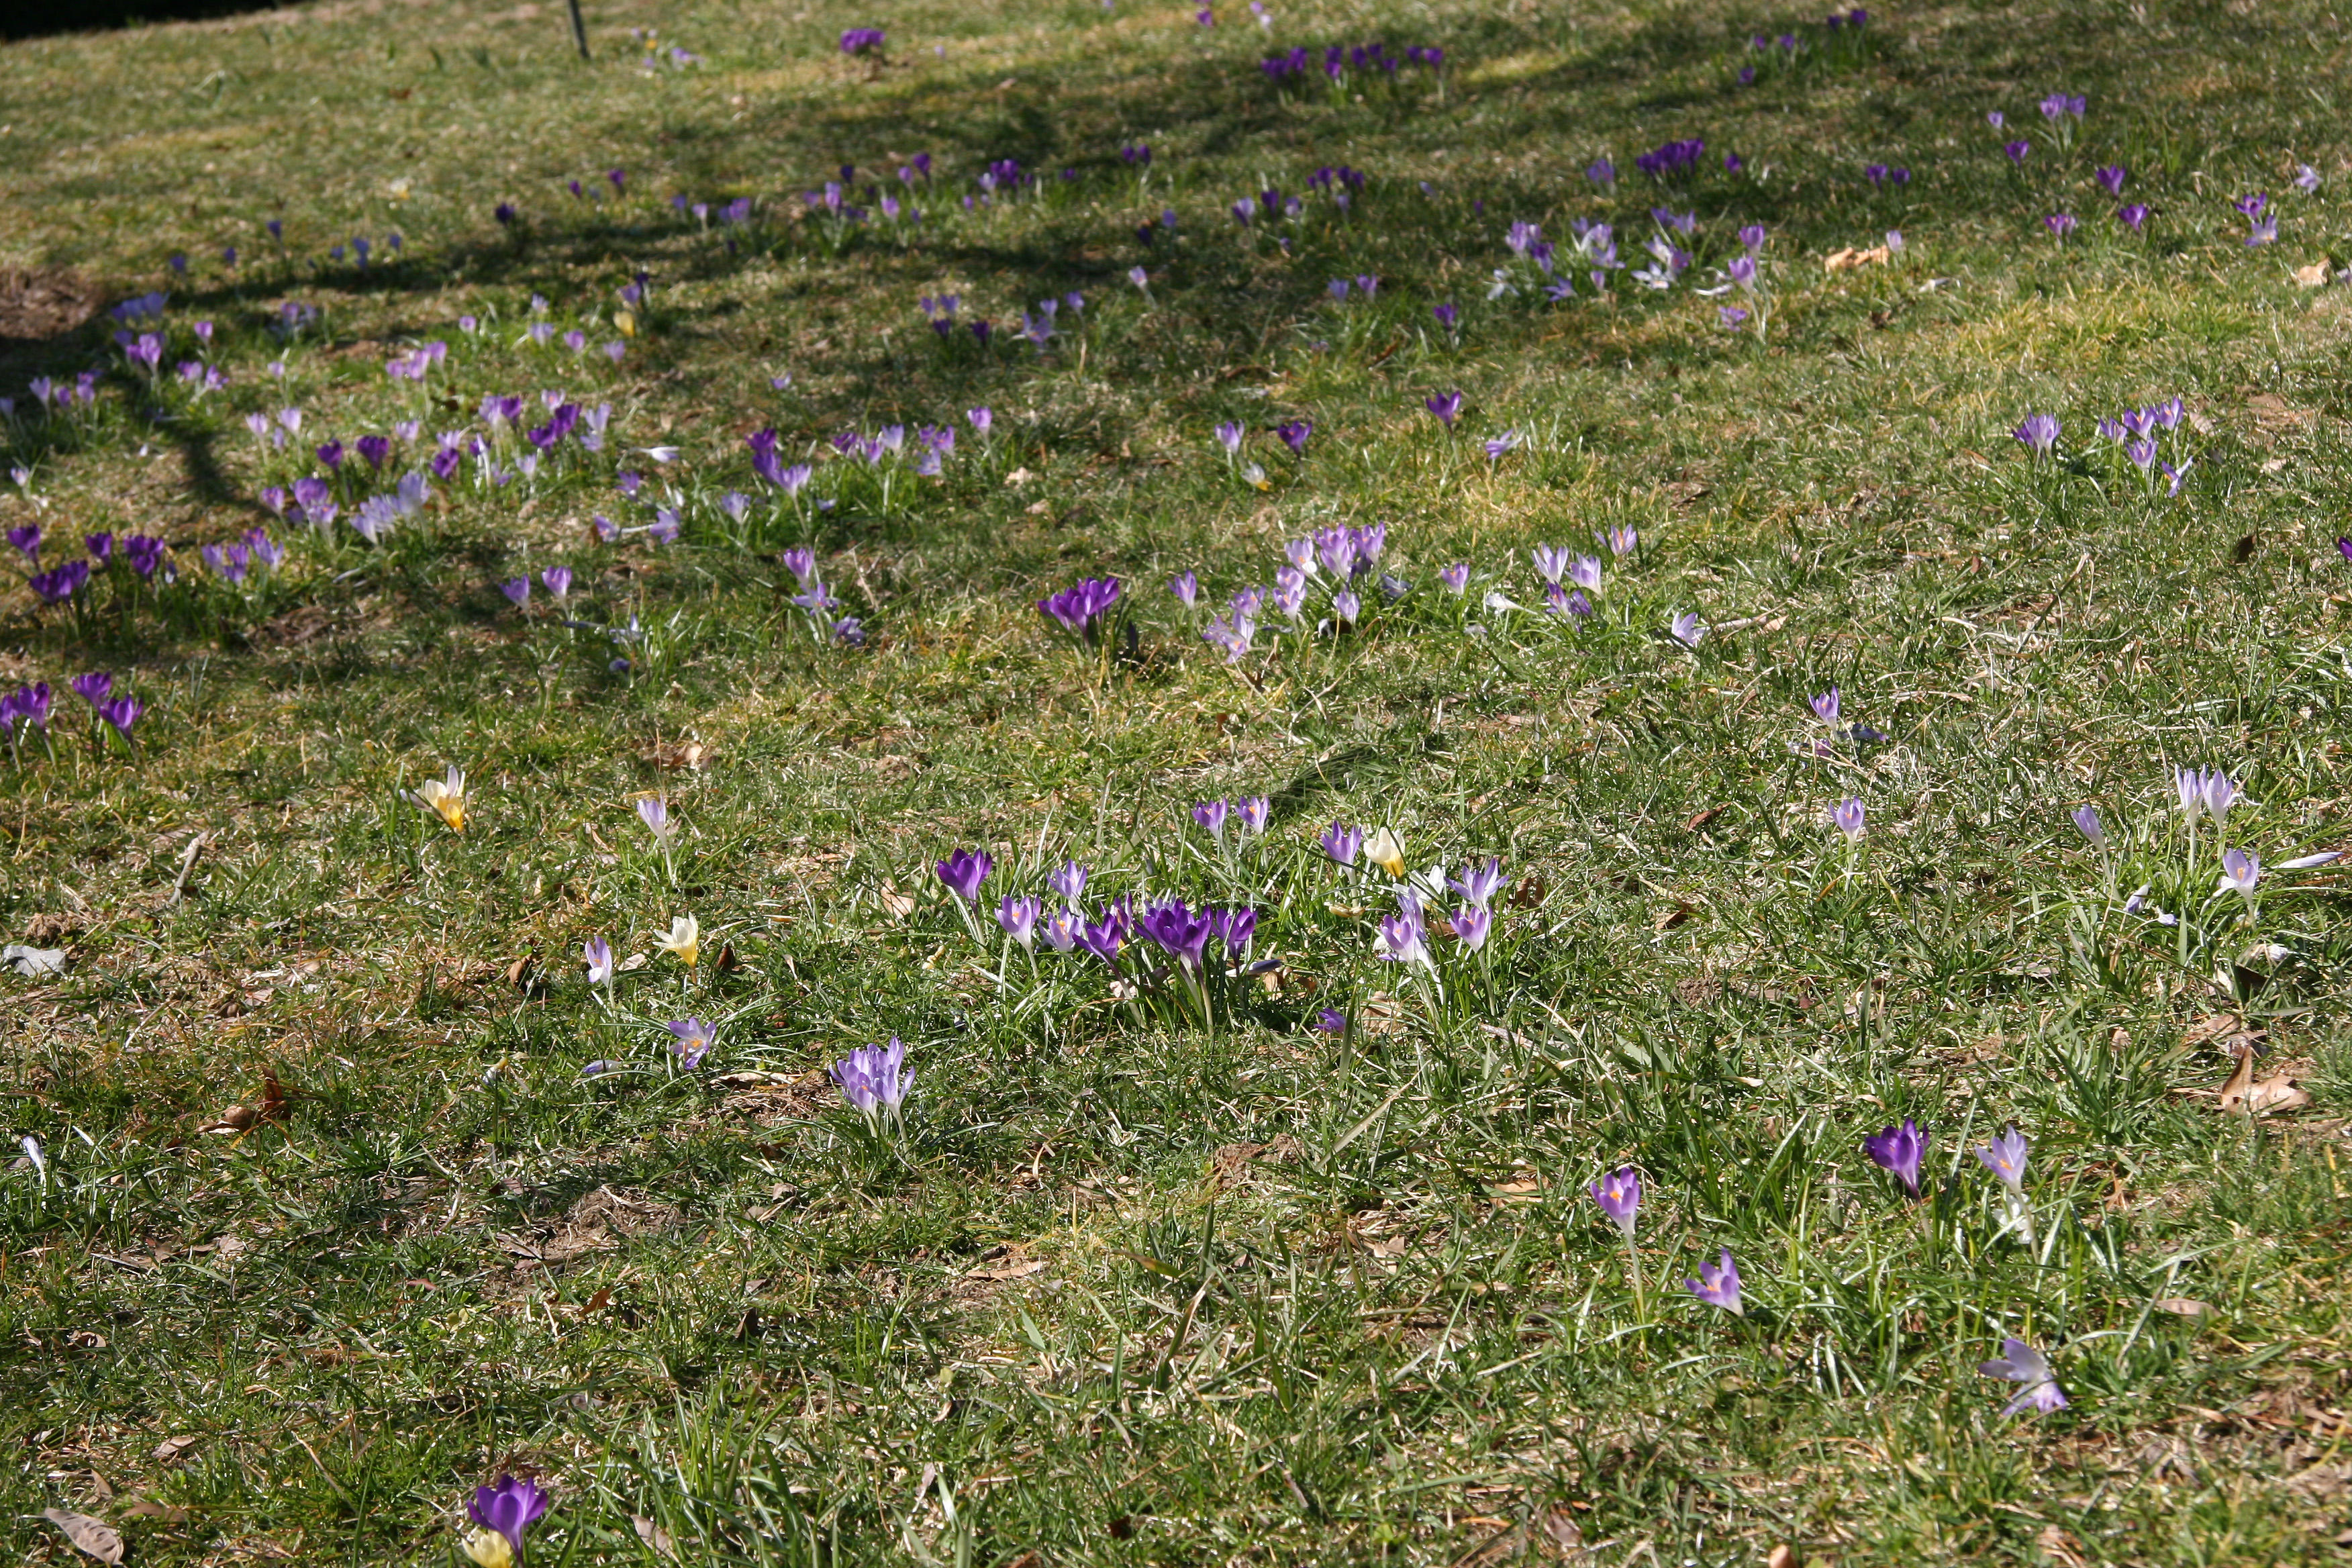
{"x":963,"y":907}
{"x":1633,"y":1271}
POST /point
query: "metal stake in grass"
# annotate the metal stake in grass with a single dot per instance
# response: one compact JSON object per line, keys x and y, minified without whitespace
{"x":579,"y":29}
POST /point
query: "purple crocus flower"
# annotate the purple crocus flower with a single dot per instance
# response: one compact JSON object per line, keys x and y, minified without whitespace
{"x":1018,"y":916}
{"x":1211,"y":814}
{"x":1478,"y":884}
{"x":93,"y":686}
{"x":1063,"y":929}
{"x":874,"y":1079}
{"x":122,"y":713}
{"x":2020,"y":1362}
{"x":28,"y":541}
{"x":1619,"y":1194}
{"x":2039,"y":431}
{"x":963,"y":872}
{"x":1470,"y":927}
{"x":2005,"y":1158}
{"x":1186,"y":586}
{"x":1330,"y":1021}
{"x":1448,"y":314}
{"x":1082,"y":606}
{"x":2017,"y":151}
{"x":1500,"y":447}
{"x":510,"y":1508}
{"x":2241,"y":869}
{"x":1898,"y":1150}
{"x":518,"y":590}
{"x":1182,"y":932}
{"x":2060,"y":224}
{"x":1294,"y":434}
{"x":694,"y":1041}
{"x":1447,"y":407}
{"x":2111,"y":178}
{"x":1456,"y":577}
{"x":1825,"y":706}
{"x":1342,"y":843}
{"x":1255,"y":810}
{"x":1069,"y":881}
{"x":1404,"y":935}
{"x":2132,"y":215}
{"x":1600,"y":172}
{"x":1719,"y":1285}
{"x":1849,"y":814}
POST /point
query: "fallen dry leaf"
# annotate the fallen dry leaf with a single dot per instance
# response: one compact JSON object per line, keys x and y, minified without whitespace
{"x":93,"y":1536}
{"x":692,"y":755}
{"x":1667,"y":920}
{"x":898,"y":905}
{"x":1011,"y":1267}
{"x":1782,"y":1556}
{"x":2060,"y":1546}
{"x":656,"y":1537}
{"x":2212,"y":1026}
{"x":2180,"y":1307}
{"x":519,"y":971}
{"x":1847,"y":259}
{"x":2312,"y":275}
{"x":147,"y":1508}
{"x":1698,"y":819}
{"x":2243,"y":1095}
{"x":243,"y":1117}
{"x":170,"y":1448}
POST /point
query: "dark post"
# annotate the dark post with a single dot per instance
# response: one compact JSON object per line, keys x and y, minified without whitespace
{"x":579,"y":29}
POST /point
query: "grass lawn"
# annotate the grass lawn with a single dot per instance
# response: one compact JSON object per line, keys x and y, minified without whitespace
{"x":1597,"y":439}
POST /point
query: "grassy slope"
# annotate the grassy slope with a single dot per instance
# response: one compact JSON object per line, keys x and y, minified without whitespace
{"x":1403,"y":1329}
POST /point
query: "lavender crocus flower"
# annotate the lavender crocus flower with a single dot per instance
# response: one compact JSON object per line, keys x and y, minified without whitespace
{"x":1619,"y":1194}
{"x":518,"y":590}
{"x":1186,"y":586}
{"x":2086,"y":823}
{"x":1253,"y":810}
{"x":1500,"y":447}
{"x":873,"y":1079}
{"x":1211,"y":814}
{"x":2060,"y":224}
{"x":1719,"y":1285}
{"x":1294,"y":434}
{"x":694,"y":1041}
{"x":510,"y":1508}
{"x":1471,"y":924}
{"x":1456,"y":577}
{"x":1063,"y":929}
{"x":1342,"y":843}
{"x":1447,"y":407}
{"x":2039,"y":431}
{"x":1018,"y":916}
{"x":2221,"y":794}
{"x":1069,"y":881}
{"x":1687,"y":629}
{"x":2020,"y":1362}
{"x":598,"y":953}
{"x":2241,"y":870}
{"x":963,"y":872}
{"x":2005,"y":1158}
{"x":2111,"y":178}
{"x":1478,"y":884}
{"x":1849,"y":814}
{"x":1899,"y":1150}
{"x":1404,"y":936}
{"x":1825,"y":706}
{"x":1229,"y":437}
{"x":2132,"y":215}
